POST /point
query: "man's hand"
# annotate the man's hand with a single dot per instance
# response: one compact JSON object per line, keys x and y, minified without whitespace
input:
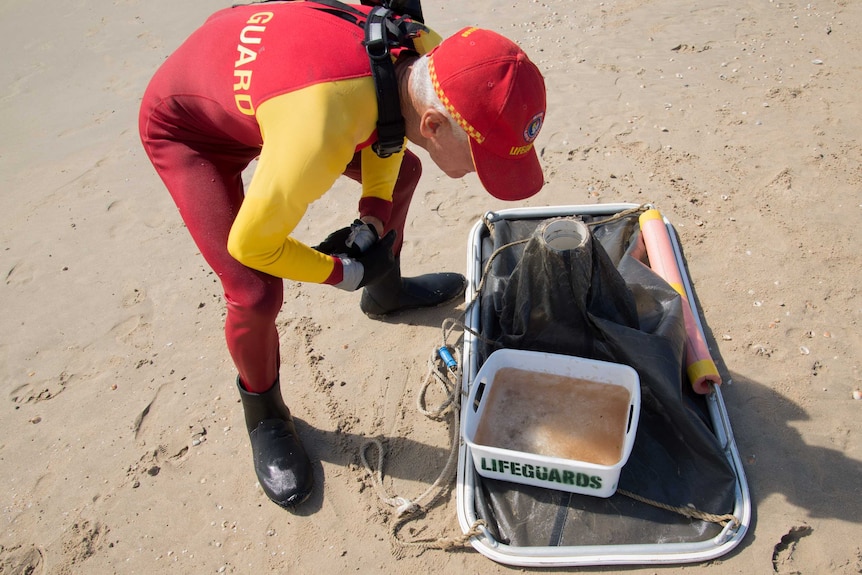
{"x":351,"y":241}
{"x":375,"y":222}
{"x":370,"y":266}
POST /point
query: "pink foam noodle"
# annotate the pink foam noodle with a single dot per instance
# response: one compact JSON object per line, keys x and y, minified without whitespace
{"x":700,"y":368}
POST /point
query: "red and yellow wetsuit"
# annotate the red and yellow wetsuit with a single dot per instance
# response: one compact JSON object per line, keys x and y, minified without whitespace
{"x":289,"y":84}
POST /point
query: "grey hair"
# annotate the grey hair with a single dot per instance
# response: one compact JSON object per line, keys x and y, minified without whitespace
{"x":423,"y":91}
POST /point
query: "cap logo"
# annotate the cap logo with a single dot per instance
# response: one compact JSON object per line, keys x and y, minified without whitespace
{"x":532,"y":129}
{"x":465,"y":125}
{"x":520,"y":150}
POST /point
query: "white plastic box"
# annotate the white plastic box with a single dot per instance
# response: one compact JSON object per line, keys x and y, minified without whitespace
{"x":544,"y":470}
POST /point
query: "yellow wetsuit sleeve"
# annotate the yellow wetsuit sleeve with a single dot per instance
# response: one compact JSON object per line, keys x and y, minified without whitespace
{"x":309,"y":136}
{"x":379,"y":174}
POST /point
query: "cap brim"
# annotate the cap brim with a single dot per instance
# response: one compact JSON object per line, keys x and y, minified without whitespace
{"x":508,"y":179}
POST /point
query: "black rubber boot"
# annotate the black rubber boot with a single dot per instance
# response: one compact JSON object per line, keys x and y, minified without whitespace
{"x":280,"y":462}
{"x":392,"y":293}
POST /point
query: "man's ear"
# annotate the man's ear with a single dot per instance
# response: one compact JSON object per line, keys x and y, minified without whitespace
{"x":432,"y":122}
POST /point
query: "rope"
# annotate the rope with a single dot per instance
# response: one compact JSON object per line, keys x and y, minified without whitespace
{"x":620,"y":215}
{"x":440,"y":543}
{"x":407,"y":510}
{"x":448,"y":379}
{"x":687,"y":511}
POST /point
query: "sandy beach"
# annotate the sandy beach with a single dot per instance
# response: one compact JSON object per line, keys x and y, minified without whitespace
{"x":122,"y":443}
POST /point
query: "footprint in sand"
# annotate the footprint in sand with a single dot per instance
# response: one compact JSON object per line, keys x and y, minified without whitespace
{"x":166,"y":441}
{"x":82,"y":541}
{"x":119,"y":212}
{"x":22,"y":560}
{"x":133,"y":296}
{"x":305,"y":330}
{"x":782,"y":554}
{"x":445,"y":206}
{"x":21,"y":273}
{"x":41,"y":390}
{"x":308,"y":359}
{"x":134,"y":331}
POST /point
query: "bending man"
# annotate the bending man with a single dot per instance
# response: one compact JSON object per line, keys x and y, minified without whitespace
{"x":290,"y":83}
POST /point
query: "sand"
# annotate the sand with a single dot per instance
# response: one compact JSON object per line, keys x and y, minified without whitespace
{"x":122,"y":445}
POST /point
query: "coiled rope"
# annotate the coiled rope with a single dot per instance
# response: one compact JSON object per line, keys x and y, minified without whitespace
{"x":406,"y":510}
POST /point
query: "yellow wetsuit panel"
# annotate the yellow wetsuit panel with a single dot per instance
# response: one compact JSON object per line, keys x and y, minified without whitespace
{"x":309,"y":137}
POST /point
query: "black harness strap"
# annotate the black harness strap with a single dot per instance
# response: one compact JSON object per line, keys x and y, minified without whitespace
{"x":390,"y":122}
{"x":381,"y":32}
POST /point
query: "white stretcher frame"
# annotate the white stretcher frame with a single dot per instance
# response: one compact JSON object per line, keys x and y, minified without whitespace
{"x":611,"y":554}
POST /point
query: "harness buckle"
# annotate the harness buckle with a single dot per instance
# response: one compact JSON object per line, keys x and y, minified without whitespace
{"x":376,"y":40}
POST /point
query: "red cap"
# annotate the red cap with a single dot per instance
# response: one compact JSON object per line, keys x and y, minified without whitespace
{"x":497,"y":95}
